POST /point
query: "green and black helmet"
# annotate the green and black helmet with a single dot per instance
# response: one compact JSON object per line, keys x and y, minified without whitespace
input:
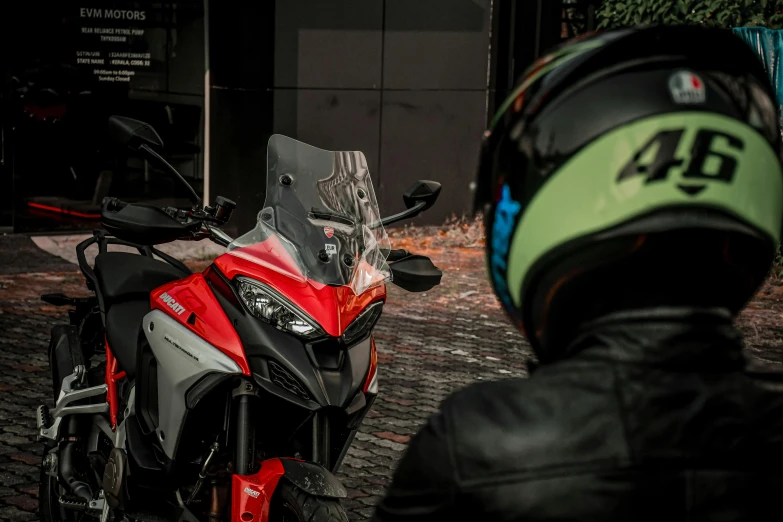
{"x":632,"y":169}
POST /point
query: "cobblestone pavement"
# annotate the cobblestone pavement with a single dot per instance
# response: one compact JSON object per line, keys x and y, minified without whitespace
{"x":429,"y":345}
{"x":21,"y":255}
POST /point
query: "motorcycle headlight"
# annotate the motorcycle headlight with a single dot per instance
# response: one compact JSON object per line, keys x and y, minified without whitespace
{"x":271,"y":307}
{"x":363,"y":323}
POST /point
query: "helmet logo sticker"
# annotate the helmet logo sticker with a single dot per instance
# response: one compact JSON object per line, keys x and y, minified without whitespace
{"x":502,"y":231}
{"x":329,"y":231}
{"x":687,"y":88}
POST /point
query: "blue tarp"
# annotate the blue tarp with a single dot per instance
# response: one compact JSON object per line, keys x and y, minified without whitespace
{"x":768,"y":45}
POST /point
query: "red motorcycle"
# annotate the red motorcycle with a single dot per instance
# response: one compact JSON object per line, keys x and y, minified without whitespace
{"x":231,"y":394}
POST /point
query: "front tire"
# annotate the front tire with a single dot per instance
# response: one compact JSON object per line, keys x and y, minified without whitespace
{"x":291,"y":504}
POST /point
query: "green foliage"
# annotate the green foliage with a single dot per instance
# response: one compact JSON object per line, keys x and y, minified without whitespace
{"x":718,"y":13}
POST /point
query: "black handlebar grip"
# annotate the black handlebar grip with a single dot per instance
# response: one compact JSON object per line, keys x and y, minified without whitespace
{"x":113,"y":204}
{"x":396,"y":255}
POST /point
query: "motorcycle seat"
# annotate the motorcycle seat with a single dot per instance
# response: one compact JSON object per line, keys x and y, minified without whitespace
{"x":123,"y":321}
{"x":125,"y":281}
{"x":125,"y":276}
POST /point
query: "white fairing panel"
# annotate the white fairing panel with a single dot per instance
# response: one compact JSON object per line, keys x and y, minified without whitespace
{"x":183,"y":358}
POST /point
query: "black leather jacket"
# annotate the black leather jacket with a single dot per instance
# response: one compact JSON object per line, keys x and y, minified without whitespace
{"x":645,"y":419}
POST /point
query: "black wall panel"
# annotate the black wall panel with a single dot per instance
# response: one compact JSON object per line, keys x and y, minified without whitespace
{"x":241,"y":44}
{"x":403,"y":81}
{"x":334,"y":44}
{"x":431,"y":135}
{"x":436,"y":44}
{"x":240,"y":128}
{"x":186,"y":63}
{"x":331,"y":120}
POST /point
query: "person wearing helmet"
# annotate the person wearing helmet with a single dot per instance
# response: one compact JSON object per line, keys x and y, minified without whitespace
{"x":632,"y":194}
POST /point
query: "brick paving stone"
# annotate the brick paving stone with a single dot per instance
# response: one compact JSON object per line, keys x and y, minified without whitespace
{"x":402,"y":439}
{"x":12,"y":440}
{"x":21,"y":469}
{"x":372,"y":489}
{"x":26,"y":458}
{"x":24,"y":502}
{"x":14,"y":514}
{"x":355,"y":493}
{"x":30,"y":489}
{"x":353,"y":462}
{"x":20,"y":254}
{"x":363,"y":513}
{"x":10,"y":479}
{"x":359,"y":453}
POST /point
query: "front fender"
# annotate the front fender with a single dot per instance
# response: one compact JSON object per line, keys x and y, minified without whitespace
{"x":251,"y":495}
{"x":313,"y":479}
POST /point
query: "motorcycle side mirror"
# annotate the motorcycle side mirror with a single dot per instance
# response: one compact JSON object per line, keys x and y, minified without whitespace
{"x":142,"y":138}
{"x":415,"y":273}
{"x":418,"y":198}
{"x":422,"y":191}
{"x":133,"y":134}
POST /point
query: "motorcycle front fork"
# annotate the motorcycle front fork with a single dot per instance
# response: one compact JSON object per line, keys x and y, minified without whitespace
{"x":247,"y":419}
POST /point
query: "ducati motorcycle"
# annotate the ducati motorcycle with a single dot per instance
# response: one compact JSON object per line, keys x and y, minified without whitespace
{"x":232,"y":394}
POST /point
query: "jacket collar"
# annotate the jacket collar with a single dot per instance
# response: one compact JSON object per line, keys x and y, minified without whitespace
{"x":677,"y":338}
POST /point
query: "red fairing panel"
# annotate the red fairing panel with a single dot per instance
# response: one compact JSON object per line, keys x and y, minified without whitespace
{"x":334,"y":308}
{"x":191,"y":302}
{"x":251,"y":495}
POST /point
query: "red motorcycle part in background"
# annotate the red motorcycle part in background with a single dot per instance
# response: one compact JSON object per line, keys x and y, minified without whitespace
{"x":191,"y":302}
{"x":112,"y":376}
{"x":373,"y":371}
{"x":251,"y":495}
{"x":332,"y":307}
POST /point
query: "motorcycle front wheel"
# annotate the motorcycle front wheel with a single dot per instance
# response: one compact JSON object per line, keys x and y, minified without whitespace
{"x":291,"y":504}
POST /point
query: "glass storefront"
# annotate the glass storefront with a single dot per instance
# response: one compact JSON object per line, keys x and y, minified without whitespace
{"x":68,"y":66}
{"x":296,"y":67}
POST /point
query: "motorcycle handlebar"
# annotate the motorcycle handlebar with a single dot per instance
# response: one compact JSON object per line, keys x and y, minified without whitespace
{"x":185,"y":216}
{"x":396,"y":255}
{"x":215,"y":234}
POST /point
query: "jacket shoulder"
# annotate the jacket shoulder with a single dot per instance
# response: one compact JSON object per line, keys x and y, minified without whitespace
{"x":518,"y":428}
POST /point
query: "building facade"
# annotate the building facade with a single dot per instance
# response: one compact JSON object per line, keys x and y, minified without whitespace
{"x":408,"y":82}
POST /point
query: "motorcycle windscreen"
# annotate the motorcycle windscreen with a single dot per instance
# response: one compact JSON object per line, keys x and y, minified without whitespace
{"x":320,"y":220}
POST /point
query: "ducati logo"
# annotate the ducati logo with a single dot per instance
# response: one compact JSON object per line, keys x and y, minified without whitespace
{"x":329,"y":231}
{"x":253,"y":493}
{"x":172,"y":303}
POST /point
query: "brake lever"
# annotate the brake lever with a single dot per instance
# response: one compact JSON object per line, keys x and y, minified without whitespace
{"x":218,"y":236}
